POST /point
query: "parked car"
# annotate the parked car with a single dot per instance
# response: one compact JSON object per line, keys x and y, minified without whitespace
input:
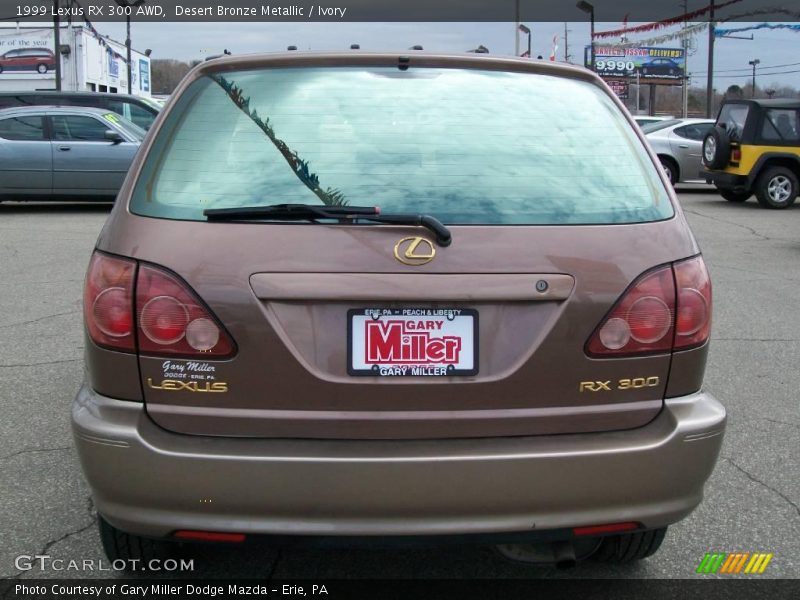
{"x":64,"y":153}
{"x":269,"y":354}
{"x":137,"y":109}
{"x":754,"y":147}
{"x":661,"y":67}
{"x":39,"y":60}
{"x":678,"y":144}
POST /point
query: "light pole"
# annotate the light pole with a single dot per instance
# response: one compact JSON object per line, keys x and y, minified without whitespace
{"x":710,"y":74}
{"x":755,"y":62}
{"x":57,"y":35}
{"x":589,"y":9}
{"x":130,"y":4}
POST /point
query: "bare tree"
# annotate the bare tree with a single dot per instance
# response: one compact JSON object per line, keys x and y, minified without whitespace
{"x":167,"y":74}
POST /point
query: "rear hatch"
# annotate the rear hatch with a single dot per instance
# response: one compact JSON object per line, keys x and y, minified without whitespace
{"x":371,"y":330}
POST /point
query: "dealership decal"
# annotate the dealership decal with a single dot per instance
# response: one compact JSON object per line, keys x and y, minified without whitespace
{"x":189,"y":376}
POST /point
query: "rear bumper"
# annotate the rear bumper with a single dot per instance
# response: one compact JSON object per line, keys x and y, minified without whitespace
{"x":726,"y":181}
{"x":152,"y":482}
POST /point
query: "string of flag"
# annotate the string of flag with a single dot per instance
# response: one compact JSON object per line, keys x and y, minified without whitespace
{"x":689,"y":16}
{"x":720,"y":32}
{"x":654,"y":41}
{"x":99,"y":37}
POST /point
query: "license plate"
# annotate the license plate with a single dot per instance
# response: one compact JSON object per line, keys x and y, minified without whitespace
{"x":412,"y":342}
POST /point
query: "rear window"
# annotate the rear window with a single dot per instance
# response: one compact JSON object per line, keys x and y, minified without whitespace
{"x":466,"y":146}
{"x":732,"y":118}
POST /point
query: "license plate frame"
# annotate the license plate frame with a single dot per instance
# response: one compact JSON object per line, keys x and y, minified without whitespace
{"x":462,"y":323}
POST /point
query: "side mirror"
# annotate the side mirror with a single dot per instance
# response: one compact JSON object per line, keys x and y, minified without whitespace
{"x":114,"y":136}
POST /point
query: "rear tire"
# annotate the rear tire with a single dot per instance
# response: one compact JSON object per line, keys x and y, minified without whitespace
{"x":629,"y":547}
{"x":732,"y":196}
{"x":119,"y":545}
{"x":670,"y":168}
{"x":777,"y":188}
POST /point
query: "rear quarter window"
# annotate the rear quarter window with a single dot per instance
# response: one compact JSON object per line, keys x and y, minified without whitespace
{"x":467,"y":146}
{"x":781,"y":125}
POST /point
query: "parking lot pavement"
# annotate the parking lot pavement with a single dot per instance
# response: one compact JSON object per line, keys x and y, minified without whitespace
{"x":751,"y":501}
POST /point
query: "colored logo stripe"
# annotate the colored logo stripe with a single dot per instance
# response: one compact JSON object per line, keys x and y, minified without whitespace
{"x":733,"y":562}
{"x":711,"y":562}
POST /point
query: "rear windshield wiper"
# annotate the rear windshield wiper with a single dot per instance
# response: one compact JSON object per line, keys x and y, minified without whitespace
{"x":311,"y":212}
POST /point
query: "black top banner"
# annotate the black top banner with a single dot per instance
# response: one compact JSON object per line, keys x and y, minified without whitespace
{"x":606,"y":11}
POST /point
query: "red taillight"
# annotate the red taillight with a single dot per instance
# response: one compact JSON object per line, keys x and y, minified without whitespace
{"x":172,"y":320}
{"x":108,"y":302}
{"x":666,"y":309}
{"x":210,"y":536}
{"x":605,"y":529}
{"x":693,"y":321}
{"x":641,"y":321}
{"x":736,"y":155}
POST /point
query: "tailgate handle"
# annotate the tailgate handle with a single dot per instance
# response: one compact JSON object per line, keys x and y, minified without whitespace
{"x":393,"y":287}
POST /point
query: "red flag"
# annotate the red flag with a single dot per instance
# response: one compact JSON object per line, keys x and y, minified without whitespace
{"x":555,"y":48}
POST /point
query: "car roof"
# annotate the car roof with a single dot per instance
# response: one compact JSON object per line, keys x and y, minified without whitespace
{"x":44,"y":108}
{"x":768,"y":103}
{"x":56,"y":94}
{"x":407,"y":58}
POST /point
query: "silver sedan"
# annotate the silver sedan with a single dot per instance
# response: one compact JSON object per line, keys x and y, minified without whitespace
{"x":64,"y":153}
{"x":678,"y":144}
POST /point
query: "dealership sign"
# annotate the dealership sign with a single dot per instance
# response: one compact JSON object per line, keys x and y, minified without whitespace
{"x":27,"y":54}
{"x":144,"y":75}
{"x":651,"y":65}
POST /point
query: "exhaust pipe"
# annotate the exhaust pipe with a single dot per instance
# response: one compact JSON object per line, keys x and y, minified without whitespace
{"x":564,"y":555}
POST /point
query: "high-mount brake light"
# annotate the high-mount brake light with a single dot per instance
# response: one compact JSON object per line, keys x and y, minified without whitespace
{"x":173,"y":321}
{"x":108,"y":302}
{"x":664,"y":310}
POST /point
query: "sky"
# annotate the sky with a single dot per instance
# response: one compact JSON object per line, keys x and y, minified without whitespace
{"x":191,"y":41}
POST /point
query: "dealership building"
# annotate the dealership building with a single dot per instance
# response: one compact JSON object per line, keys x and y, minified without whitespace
{"x":90,"y":62}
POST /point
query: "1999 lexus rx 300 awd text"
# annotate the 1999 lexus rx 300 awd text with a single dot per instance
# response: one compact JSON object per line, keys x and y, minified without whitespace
{"x":380,"y":295}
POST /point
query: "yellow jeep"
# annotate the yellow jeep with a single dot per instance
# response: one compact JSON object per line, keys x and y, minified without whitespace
{"x":754,"y":148}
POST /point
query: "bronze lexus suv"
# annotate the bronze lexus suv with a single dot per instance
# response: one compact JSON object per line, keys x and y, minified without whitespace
{"x":386,"y":295}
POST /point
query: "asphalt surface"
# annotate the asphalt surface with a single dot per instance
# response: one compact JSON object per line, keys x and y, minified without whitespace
{"x":751,"y":501}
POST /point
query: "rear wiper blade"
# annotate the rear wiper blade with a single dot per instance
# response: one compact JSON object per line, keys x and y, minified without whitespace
{"x":311,"y":212}
{"x":289,"y":212}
